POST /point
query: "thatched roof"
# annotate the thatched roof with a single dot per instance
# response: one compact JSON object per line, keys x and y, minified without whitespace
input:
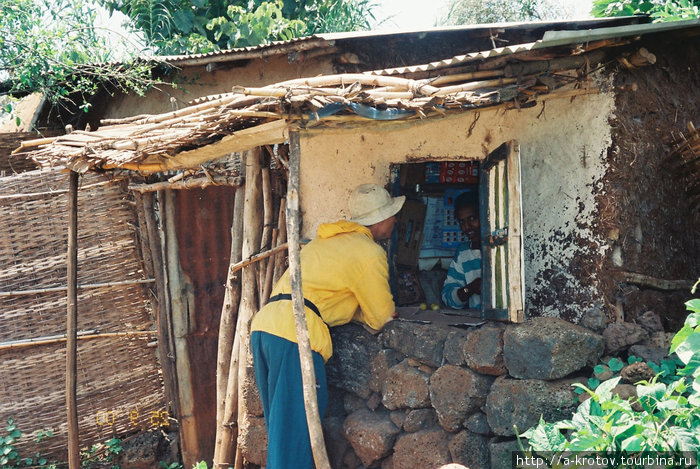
{"x":213,"y":127}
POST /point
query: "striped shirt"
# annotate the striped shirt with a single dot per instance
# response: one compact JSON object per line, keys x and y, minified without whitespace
{"x":464,"y":269}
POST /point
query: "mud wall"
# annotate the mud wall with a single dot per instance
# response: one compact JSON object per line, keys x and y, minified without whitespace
{"x":563,"y":148}
{"x":644,"y":209}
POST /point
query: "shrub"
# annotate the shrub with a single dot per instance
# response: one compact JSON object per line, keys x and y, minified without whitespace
{"x":605,"y":424}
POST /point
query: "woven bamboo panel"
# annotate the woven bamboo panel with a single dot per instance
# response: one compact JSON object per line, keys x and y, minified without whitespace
{"x":120,"y":389}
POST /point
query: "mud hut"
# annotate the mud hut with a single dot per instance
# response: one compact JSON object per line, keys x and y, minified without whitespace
{"x":574,"y":127}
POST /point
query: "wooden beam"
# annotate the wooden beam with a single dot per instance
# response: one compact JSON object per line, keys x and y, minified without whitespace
{"x":195,"y":183}
{"x":72,"y":327}
{"x":79,"y":287}
{"x":263,"y":134}
{"x":656,"y":283}
{"x":313,"y":418}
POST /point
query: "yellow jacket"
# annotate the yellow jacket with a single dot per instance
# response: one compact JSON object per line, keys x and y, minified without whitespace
{"x":341,"y":270}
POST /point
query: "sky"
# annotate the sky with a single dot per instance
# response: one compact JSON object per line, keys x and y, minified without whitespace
{"x":419,"y":14}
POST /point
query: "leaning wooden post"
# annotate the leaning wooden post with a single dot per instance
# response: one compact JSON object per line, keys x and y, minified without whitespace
{"x":313,"y":418}
{"x":72,"y":326}
{"x":227,"y":329}
{"x":252,"y":230}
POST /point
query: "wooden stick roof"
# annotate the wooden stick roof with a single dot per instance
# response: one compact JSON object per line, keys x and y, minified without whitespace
{"x":213,"y":127}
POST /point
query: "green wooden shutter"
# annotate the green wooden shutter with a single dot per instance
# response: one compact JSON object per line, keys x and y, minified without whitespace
{"x":502,"y":293}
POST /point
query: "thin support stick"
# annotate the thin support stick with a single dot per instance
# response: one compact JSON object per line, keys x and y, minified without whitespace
{"x":72,"y":326}
{"x":313,"y":418}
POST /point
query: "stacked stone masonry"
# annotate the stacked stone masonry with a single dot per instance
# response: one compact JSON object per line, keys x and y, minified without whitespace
{"x":424,"y":396}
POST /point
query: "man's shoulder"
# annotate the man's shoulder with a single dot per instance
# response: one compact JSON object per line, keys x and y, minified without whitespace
{"x":465,"y":253}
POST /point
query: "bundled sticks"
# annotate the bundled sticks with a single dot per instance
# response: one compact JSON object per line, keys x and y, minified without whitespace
{"x":247,"y":117}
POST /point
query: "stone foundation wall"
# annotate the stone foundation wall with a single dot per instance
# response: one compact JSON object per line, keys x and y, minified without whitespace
{"x":422,"y":396}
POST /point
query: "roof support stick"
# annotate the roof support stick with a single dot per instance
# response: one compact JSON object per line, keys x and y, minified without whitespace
{"x":72,"y":326}
{"x":308,"y":376}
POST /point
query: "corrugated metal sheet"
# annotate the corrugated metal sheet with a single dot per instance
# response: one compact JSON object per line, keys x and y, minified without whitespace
{"x":328,"y":39}
{"x":203,"y":225}
{"x":550,"y":39}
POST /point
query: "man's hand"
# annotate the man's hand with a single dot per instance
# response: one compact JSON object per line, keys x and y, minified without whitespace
{"x":473,"y":288}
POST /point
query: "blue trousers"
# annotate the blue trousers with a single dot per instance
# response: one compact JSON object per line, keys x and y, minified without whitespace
{"x":278,"y":376}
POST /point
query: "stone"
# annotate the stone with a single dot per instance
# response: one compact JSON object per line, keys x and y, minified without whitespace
{"x":549,"y":348}
{"x":336,"y":402}
{"x":502,"y":453}
{"x":619,"y":336}
{"x":353,"y":403}
{"x":660,"y":339}
{"x":604,"y":373}
{"x":456,"y":392}
{"x":594,"y":319}
{"x":252,"y":440}
{"x":470,"y":449}
{"x":483,"y":350}
{"x":336,"y":443}
{"x":632,"y":374}
{"x":142,"y":451}
{"x":385,"y":359}
{"x":350,"y":460}
{"x":424,"y":343}
{"x":374,"y":401}
{"x":398,"y":417}
{"x":522,"y":402}
{"x":453,"y":466}
{"x":350,"y":367}
{"x":371,"y":434}
{"x":251,"y":396}
{"x":650,"y":321}
{"x":419,"y":419}
{"x":422,"y":449}
{"x":388,"y":463}
{"x":454,"y":347}
{"x":628,"y":392}
{"x":406,"y":386}
{"x":477,"y":423}
{"x":649,"y":353}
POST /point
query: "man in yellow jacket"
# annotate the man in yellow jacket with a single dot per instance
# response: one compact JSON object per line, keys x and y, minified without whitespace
{"x":345,"y":276}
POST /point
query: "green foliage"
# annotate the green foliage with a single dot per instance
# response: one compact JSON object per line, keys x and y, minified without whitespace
{"x":184,"y":26}
{"x":10,"y":457}
{"x":55,"y":48}
{"x":659,"y":10}
{"x":8,"y":454}
{"x":172,"y":465}
{"x":665,"y":416}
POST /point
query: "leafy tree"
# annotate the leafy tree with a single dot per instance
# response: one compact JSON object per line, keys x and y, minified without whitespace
{"x":660,"y":10}
{"x":55,"y":48}
{"x":192,"y":26}
{"x":499,"y":11}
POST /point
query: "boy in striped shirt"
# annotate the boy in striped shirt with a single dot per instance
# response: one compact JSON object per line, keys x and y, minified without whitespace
{"x":462,"y":287}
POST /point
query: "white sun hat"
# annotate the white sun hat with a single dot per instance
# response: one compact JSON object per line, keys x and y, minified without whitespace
{"x":371,"y":203}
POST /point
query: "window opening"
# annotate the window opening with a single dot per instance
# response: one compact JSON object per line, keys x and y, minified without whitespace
{"x":429,"y":232}
{"x":433,"y":252}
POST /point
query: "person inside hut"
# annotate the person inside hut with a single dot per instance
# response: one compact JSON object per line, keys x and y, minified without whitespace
{"x":462,"y":286}
{"x":345,"y":277}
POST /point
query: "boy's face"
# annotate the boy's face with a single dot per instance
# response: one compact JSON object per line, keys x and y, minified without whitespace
{"x":468,"y":219}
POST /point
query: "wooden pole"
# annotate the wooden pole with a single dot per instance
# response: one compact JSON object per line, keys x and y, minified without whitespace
{"x":72,"y":327}
{"x":308,"y":376}
{"x":252,"y":226}
{"x":265,"y":241}
{"x":281,"y":240}
{"x":166,"y":351}
{"x":227,"y":330}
